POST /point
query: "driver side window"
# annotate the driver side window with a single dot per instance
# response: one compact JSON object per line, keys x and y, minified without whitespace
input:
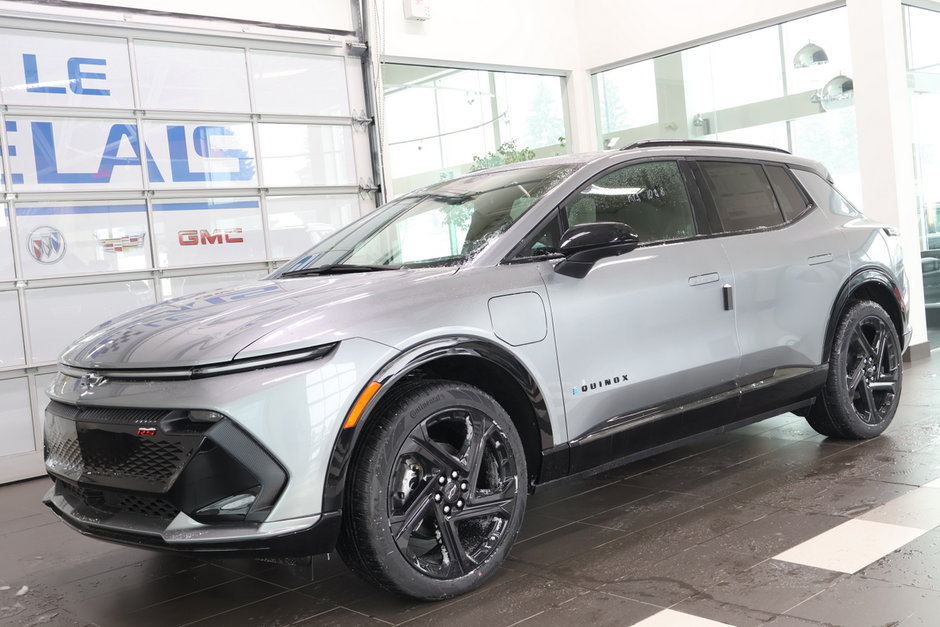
{"x":649,"y":197}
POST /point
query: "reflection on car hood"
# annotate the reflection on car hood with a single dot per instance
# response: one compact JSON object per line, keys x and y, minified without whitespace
{"x":256,"y":318}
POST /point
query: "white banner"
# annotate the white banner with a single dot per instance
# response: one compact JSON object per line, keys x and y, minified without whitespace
{"x":6,"y":245}
{"x":59,"y":315}
{"x":11,"y":332}
{"x":58,"y":70}
{"x":89,"y":154}
{"x":203,"y":232}
{"x":82,"y":238}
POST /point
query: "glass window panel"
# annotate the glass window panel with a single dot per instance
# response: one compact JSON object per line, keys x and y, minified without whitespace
{"x":443,"y":122}
{"x":306,"y":154}
{"x":11,"y":332}
{"x":16,"y":421}
{"x":733,"y":72}
{"x":6,"y":245}
{"x":299,"y":84}
{"x":922,"y":41}
{"x":59,"y":315}
{"x":183,"y":77}
{"x":742,"y":195}
{"x":186,"y":285}
{"x":59,"y":70}
{"x":296,"y":223}
{"x":788,"y":195}
{"x":831,"y":138}
{"x":202,"y":232}
{"x":829,"y":31}
{"x":650,"y":197}
{"x":200,"y":155}
{"x":82,"y":237}
{"x":73,"y":154}
{"x":626,"y":96}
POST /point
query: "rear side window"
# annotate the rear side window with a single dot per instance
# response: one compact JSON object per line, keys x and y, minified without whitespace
{"x":742,"y":194}
{"x":789,"y":197}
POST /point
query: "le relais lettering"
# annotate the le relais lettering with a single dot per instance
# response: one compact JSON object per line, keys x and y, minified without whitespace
{"x":120,"y":134}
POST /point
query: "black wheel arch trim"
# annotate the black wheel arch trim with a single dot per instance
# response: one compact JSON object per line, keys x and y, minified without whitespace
{"x":870,"y":274}
{"x":407,"y":362}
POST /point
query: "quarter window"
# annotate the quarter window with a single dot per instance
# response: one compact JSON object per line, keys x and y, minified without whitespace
{"x":743,"y":195}
{"x":789,"y":197}
{"x":649,"y":197}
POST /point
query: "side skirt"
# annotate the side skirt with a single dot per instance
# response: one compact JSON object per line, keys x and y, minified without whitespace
{"x":628,"y":438}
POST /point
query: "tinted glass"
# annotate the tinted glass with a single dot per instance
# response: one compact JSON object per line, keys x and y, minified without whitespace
{"x":788,"y":194}
{"x":825,"y":195}
{"x":742,"y":195}
{"x":649,"y":197}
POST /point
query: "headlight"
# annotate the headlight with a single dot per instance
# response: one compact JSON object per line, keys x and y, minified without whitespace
{"x":209,"y":370}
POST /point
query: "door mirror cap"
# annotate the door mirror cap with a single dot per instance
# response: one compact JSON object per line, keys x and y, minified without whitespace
{"x":586,"y":244}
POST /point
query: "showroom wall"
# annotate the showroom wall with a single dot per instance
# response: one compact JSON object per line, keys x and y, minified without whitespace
{"x":151,"y":156}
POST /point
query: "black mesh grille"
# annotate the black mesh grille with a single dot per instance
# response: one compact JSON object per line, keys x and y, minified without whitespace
{"x":108,"y":503}
{"x":93,"y":445}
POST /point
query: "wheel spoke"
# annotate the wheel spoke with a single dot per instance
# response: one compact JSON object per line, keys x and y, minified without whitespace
{"x":403,"y":525}
{"x":856,"y":377}
{"x":455,"y":551}
{"x":481,"y":434}
{"x":860,"y":338}
{"x":869,"y":400}
{"x":421,"y":444}
{"x":881,"y":341}
{"x":884,"y":386}
{"x":501,"y":507}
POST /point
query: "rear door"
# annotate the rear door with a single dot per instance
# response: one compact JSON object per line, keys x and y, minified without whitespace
{"x":788,"y":263}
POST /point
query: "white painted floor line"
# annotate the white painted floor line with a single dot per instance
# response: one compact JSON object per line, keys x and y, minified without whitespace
{"x":672,"y":618}
{"x":851,"y":546}
{"x":918,"y":508}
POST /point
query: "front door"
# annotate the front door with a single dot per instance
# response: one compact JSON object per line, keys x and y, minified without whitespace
{"x":648,"y":327}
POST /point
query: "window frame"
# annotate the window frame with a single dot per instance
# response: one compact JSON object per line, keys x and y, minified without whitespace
{"x":714,"y":217}
{"x":686,"y":174}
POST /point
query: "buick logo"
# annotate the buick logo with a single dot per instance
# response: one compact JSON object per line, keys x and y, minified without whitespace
{"x":46,"y":244}
{"x":90,"y":381}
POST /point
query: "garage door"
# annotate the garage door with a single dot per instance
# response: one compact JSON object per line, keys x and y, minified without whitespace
{"x":140,"y":164}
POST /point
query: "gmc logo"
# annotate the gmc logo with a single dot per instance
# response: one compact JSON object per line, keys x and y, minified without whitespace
{"x":215,"y":236}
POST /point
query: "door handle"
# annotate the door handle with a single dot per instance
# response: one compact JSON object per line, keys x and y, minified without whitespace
{"x":815,"y":260}
{"x":704,"y":279}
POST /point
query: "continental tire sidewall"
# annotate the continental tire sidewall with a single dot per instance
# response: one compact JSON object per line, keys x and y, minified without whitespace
{"x":376,"y":466}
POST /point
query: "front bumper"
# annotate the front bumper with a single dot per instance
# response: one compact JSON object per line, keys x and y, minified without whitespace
{"x":303,"y":536}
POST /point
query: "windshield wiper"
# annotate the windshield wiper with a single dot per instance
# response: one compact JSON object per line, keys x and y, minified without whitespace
{"x":336,"y":268}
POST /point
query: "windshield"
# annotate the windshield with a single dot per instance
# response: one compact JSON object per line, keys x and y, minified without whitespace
{"x":445,"y":224}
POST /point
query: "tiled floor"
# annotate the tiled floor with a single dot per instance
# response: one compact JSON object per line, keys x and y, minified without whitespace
{"x":770,"y":524}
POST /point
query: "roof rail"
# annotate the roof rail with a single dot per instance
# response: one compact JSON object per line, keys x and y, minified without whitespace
{"x":652,"y":143}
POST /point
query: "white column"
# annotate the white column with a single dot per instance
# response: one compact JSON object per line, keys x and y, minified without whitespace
{"x":582,"y":120}
{"x":876,"y":34}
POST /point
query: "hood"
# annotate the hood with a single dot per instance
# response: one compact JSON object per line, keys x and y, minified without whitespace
{"x":245,"y":321}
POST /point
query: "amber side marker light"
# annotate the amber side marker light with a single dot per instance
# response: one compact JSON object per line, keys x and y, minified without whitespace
{"x":364,"y":397}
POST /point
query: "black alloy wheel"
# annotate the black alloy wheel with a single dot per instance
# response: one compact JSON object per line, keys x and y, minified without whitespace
{"x":438,"y":492}
{"x":864,"y":385}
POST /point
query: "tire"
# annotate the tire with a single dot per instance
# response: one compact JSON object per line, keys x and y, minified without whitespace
{"x":436,"y":493}
{"x":863,"y":388}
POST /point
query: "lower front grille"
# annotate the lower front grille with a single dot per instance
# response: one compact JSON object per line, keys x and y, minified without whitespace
{"x":94,"y":446}
{"x":108,"y":502}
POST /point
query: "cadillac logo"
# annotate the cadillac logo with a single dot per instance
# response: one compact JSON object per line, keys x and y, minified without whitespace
{"x":122,"y":243}
{"x":46,"y":244}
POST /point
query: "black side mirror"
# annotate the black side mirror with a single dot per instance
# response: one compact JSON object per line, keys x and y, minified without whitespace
{"x":586,"y":244}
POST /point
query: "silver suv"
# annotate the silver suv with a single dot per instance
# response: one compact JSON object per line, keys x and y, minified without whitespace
{"x":397,"y":390}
